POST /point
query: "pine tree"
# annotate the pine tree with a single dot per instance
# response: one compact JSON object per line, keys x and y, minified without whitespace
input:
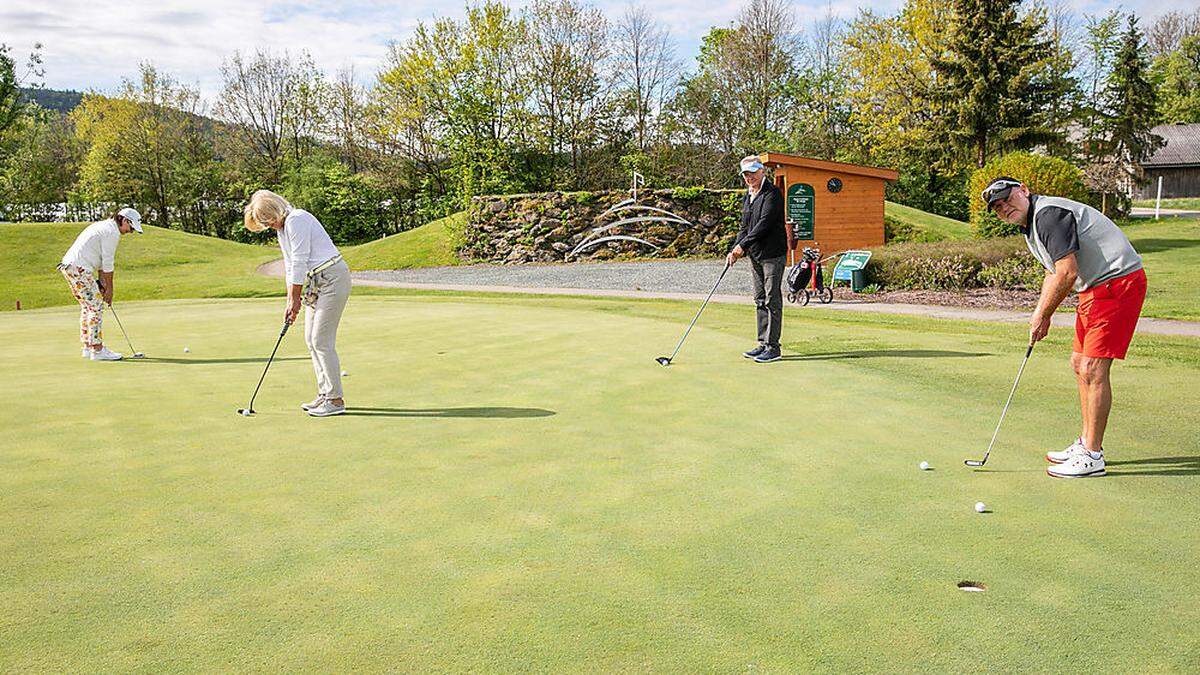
{"x":995,"y":77}
{"x":1131,"y":102}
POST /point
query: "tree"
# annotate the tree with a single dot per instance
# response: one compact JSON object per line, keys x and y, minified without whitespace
{"x":645,"y":70}
{"x":1103,"y":39}
{"x":13,"y":105}
{"x":821,"y":101}
{"x":347,"y":118}
{"x":1177,"y":74}
{"x":1132,"y":105}
{"x":272,"y":104}
{"x":151,"y":146}
{"x":43,"y":165}
{"x":995,"y":78}
{"x":568,"y":46}
{"x":1169,"y":31}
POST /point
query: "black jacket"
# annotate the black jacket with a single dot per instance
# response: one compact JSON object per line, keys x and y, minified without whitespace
{"x":763,"y":234}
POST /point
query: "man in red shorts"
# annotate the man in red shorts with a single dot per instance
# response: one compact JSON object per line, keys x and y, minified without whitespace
{"x":1081,"y":249}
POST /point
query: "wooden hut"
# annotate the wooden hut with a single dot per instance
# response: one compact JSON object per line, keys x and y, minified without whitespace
{"x":831,"y":205}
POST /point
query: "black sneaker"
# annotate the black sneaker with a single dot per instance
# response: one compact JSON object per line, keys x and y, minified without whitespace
{"x":754,"y":352}
{"x":768,"y":355}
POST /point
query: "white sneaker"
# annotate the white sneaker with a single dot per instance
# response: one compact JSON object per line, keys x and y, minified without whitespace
{"x":313,"y":403}
{"x":105,"y":354}
{"x":327,"y":409}
{"x":85,"y":353}
{"x":1081,"y":464}
{"x":1063,"y":455}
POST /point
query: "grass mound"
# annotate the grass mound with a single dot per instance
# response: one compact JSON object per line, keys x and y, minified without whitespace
{"x":430,"y":245}
{"x":159,"y":264}
{"x":905,"y":223}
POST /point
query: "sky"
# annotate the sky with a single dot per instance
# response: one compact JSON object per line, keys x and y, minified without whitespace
{"x":95,"y":44}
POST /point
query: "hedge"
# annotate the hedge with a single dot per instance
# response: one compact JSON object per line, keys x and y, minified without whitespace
{"x":1043,"y":175}
{"x":955,"y":265}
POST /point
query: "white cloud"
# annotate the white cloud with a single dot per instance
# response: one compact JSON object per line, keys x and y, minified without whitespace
{"x":90,"y":44}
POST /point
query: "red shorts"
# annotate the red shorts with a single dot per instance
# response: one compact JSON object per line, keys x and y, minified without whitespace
{"x":1107,"y":316}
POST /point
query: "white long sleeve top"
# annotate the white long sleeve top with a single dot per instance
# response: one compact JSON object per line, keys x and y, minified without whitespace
{"x":96,"y":247}
{"x":305,"y":244}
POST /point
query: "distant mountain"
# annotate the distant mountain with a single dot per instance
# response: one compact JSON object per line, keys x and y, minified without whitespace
{"x":62,"y":100}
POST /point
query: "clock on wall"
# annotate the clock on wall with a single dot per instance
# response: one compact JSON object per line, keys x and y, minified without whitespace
{"x":834,"y":185}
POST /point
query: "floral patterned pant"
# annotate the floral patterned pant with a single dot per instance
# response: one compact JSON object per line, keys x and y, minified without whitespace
{"x":91,"y":304}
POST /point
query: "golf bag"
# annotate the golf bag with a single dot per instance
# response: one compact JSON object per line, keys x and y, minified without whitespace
{"x":800,"y":274}
{"x":808,"y":269}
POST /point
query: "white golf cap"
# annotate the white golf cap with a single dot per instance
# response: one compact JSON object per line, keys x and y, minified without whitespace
{"x":134,"y":218}
{"x":751,"y":164}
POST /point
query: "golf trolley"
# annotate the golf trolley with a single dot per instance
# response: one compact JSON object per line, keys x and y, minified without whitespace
{"x":809,"y":269}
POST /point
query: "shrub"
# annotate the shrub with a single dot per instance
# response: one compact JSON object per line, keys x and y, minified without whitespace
{"x":1044,"y":175}
{"x":954,"y":265}
{"x":348,"y":206}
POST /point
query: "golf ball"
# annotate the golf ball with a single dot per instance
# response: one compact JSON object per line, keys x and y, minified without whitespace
{"x":245,"y":413}
{"x":979,"y":507}
{"x":186,"y":350}
{"x":924,"y":466}
{"x":344,"y":373}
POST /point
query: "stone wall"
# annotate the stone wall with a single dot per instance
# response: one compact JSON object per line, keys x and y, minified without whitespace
{"x":545,"y":227}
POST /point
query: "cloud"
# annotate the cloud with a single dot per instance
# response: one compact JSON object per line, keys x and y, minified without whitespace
{"x":90,"y":45}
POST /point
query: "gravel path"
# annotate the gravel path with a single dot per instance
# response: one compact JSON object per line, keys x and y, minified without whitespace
{"x":693,"y":279}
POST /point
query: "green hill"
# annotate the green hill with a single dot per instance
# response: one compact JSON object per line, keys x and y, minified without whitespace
{"x":429,"y":245}
{"x":157,"y":265}
{"x":908,"y":224}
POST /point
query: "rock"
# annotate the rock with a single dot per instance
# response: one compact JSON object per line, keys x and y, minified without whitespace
{"x":497,"y":206}
{"x":560,"y":247}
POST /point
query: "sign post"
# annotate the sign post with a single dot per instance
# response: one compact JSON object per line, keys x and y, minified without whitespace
{"x":851,"y":262}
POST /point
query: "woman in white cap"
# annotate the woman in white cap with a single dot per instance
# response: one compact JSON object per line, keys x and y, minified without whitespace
{"x":95,"y":249}
{"x":309,"y":256}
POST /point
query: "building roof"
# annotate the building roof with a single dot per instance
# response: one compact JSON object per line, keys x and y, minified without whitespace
{"x":834,"y":167}
{"x":1182,"y":147}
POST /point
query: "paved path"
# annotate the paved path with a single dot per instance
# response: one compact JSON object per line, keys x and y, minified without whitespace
{"x":674,"y":280}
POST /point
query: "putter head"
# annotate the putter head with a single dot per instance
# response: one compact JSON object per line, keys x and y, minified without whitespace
{"x":138,"y":355}
{"x":663,"y":361}
{"x":245,"y":412}
{"x":973,"y":462}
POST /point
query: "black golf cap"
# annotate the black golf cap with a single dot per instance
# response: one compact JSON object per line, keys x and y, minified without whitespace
{"x":998,"y":189}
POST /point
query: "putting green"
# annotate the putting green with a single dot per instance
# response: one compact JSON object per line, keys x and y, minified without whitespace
{"x":522,"y":488}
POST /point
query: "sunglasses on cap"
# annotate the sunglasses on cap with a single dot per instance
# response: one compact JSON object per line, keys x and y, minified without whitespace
{"x":999,"y":189}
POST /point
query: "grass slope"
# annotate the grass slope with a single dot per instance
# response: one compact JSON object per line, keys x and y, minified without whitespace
{"x":1171,"y":253}
{"x":161,"y":263}
{"x":430,"y":245}
{"x":933,"y":226}
{"x":521,"y":490}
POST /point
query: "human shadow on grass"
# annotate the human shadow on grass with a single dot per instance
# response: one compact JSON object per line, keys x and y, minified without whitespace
{"x":882,"y":353}
{"x":199,"y":362}
{"x":1156,"y":245}
{"x":1155,"y":466}
{"x":501,"y":412}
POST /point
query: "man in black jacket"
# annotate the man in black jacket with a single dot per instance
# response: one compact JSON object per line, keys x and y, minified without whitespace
{"x":763,"y":238}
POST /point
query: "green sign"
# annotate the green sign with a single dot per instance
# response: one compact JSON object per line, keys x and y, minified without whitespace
{"x":851,"y":260}
{"x":800,"y":209}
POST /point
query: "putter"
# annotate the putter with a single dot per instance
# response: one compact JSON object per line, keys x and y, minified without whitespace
{"x":665,"y":361}
{"x":981,"y":462}
{"x":249,"y":410}
{"x":135,"y":354}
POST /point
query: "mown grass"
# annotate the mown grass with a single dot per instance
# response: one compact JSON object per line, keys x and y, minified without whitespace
{"x":921,"y":225}
{"x":429,"y":245}
{"x":1183,"y":203}
{"x":523,"y":489}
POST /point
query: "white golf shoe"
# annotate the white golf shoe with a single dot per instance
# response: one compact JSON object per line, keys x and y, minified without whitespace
{"x":1081,"y":464}
{"x":105,"y":354}
{"x":327,"y":409}
{"x":316,"y":402}
{"x":85,"y":353}
{"x":1060,"y":456}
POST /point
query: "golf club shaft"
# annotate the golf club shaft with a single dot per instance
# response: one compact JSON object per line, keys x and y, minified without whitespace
{"x":1008,"y":402}
{"x":268,"y":366}
{"x":123,"y":331}
{"x":698,"y":313}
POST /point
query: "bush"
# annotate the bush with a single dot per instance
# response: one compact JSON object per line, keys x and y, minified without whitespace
{"x":954,"y":265}
{"x":1044,"y":176}
{"x":351,"y":209}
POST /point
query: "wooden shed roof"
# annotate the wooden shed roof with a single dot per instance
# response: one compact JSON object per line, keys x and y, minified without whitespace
{"x":769,"y":158}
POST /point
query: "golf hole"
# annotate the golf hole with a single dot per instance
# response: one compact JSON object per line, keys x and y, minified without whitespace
{"x":971,"y":586}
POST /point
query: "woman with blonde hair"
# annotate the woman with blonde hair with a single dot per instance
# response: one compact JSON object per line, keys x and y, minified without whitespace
{"x":316,"y":276}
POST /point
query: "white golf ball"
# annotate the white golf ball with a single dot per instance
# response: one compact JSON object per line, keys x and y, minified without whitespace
{"x":245,"y":413}
{"x":979,"y":507}
{"x":344,"y":373}
{"x":186,"y":350}
{"x":924,"y":466}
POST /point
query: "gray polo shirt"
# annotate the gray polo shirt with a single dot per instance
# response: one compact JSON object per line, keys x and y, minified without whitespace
{"x":1058,"y":227}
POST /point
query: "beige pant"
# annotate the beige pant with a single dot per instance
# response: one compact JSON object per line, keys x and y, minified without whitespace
{"x":321,"y":318}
